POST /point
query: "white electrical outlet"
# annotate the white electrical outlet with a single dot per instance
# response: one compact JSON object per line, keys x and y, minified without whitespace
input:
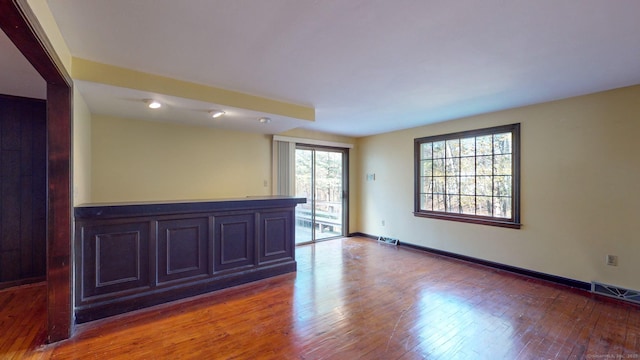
{"x":612,"y":260}
{"x":382,"y":222}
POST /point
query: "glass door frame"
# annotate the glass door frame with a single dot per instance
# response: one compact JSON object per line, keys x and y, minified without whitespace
{"x":344,"y":191}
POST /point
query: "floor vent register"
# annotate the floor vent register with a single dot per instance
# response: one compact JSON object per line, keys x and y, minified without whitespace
{"x":616,"y":292}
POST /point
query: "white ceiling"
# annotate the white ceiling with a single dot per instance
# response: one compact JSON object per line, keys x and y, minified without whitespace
{"x":366,"y":66}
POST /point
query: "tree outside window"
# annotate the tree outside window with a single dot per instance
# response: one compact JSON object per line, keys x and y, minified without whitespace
{"x":470,"y":176}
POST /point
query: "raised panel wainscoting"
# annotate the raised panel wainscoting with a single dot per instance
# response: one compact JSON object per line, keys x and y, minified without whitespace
{"x":234,"y":241}
{"x":183,"y":251}
{"x":131,"y":256}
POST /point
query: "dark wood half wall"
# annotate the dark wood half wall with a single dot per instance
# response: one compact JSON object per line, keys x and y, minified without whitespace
{"x":23,"y":29}
{"x":130,"y":256}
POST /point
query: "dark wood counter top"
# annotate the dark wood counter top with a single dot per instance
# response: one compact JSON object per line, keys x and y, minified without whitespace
{"x":148,"y":208}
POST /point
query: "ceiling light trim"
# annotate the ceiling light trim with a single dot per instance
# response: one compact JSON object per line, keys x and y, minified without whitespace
{"x":216,"y":113}
{"x":153,"y":104}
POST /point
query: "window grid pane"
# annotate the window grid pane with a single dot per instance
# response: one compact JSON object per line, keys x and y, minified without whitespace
{"x":470,"y":175}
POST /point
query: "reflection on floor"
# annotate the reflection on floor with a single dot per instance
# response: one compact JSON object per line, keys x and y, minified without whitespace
{"x":304,"y":235}
{"x":354,"y":298}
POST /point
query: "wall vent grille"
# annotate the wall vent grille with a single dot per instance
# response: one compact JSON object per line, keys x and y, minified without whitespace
{"x":616,"y":292}
{"x":388,"y":240}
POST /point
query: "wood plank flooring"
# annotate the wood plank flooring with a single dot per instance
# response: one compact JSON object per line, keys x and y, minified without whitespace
{"x":22,"y":320}
{"x":350,"y":299}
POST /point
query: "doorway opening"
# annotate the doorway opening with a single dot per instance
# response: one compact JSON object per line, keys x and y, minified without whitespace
{"x":321,"y":176}
{"x":20,"y":25}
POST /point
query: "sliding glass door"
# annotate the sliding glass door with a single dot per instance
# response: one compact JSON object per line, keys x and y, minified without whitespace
{"x":321,"y":178}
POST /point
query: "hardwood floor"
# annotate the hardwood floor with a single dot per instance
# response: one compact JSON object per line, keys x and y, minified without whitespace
{"x":23,"y":315}
{"x":351,"y":298}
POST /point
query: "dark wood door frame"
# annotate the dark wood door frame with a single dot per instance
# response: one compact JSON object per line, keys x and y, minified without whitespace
{"x":23,"y":29}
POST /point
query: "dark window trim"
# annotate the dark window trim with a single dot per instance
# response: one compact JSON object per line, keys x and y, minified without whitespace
{"x":514,"y":222}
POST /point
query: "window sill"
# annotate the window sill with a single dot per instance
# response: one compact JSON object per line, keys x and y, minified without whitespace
{"x":470,"y":219}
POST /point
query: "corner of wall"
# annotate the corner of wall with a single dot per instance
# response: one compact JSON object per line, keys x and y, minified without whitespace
{"x":81,"y":150}
{"x":45,"y":17}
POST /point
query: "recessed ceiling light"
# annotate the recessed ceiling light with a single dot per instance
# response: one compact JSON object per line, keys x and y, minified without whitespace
{"x":264,"y":120}
{"x":153,"y":104}
{"x":216,"y":113}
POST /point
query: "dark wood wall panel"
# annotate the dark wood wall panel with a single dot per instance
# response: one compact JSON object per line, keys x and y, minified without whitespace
{"x":10,"y":199}
{"x":22,"y":190}
{"x":115,"y":259}
{"x":275,"y":228}
{"x":26,"y":218}
{"x":183,"y":248}
{"x":234,"y":241}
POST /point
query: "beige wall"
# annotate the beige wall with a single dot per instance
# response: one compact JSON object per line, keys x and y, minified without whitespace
{"x":143,"y":160}
{"x":136,"y":160}
{"x":81,"y":150}
{"x":580,"y":190}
